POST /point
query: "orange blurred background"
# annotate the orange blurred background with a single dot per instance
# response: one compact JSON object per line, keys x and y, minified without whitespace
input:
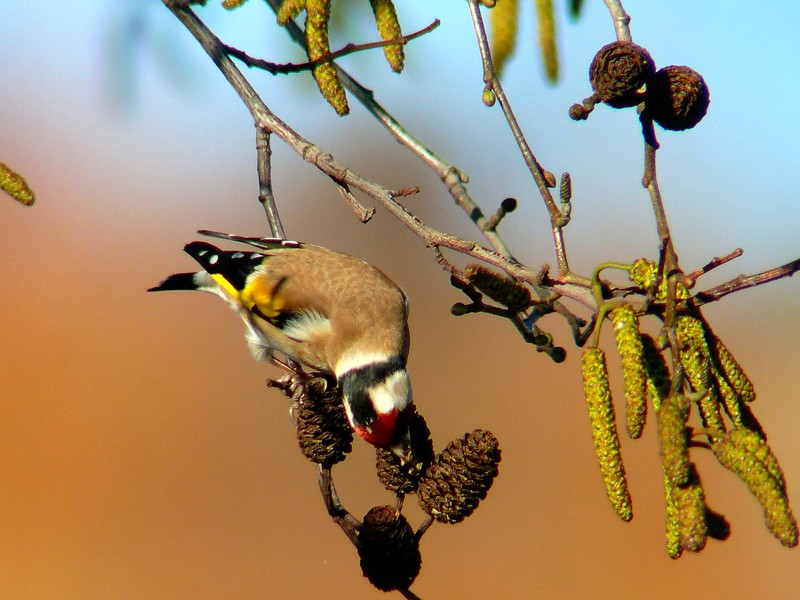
{"x":141,"y":455}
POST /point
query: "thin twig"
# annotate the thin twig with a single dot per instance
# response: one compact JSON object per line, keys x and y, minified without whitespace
{"x":715,"y":262}
{"x":265,"y":195}
{"x":493,"y":84}
{"x":287,"y":68}
{"x":743,"y":282}
{"x":621,"y":20}
{"x":454,"y":179}
{"x":337,"y":512}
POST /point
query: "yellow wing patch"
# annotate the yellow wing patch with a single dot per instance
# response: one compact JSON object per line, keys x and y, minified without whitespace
{"x":225,"y":285}
{"x":264,"y":294}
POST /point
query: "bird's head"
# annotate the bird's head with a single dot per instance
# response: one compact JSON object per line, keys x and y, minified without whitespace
{"x":377,"y":398}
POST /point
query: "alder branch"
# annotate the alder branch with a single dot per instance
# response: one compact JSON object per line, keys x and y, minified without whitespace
{"x":453,"y":178}
{"x":265,"y":195}
{"x":743,"y":282}
{"x":342,"y":175}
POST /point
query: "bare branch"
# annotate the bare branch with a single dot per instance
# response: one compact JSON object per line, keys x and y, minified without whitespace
{"x":621,"y":20}
{"x":287,"y":68}
{"x":454,"y":179}
{"x":265,"y":195}
{"x":746,"y":281}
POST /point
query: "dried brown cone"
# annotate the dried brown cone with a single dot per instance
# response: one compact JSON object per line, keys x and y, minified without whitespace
{"x":323,"y":433}
{"x":499,"y":288}
{"x":677,"y":98}
{"x":618,"y":73}
{"x":388,"y":549}
{"x":400,"y":478}
{"x":460,"y":477}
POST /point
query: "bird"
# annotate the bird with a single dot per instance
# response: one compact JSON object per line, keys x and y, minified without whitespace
{"x":328,"y":311}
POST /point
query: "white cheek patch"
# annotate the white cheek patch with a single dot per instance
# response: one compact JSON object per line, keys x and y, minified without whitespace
{"x":393,"y":393}
{"x":353,"y":360}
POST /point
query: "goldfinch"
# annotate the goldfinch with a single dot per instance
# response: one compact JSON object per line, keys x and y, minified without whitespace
{"x":330,"y":312}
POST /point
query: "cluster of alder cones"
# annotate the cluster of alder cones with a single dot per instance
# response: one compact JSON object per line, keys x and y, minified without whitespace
{"x":623,"y":74}
{"x":449,"y":485}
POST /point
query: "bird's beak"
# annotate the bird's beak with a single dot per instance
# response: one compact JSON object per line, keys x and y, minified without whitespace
{"x":402,"y":448}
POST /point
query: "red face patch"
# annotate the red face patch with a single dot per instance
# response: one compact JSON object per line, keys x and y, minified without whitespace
{"x":382,"y":432}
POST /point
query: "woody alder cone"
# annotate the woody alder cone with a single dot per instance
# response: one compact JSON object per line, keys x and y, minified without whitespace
{"x":404,"y":478}
{"x":460,"y":477}
{"x":323,"y":432}
{"x":388,"y":549}
{"x":677,"y":98}
{"x":619,"y":71}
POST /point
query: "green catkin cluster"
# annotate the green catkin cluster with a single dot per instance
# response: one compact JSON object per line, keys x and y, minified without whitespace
{"x":673,"y":526}
{"x":629,"y":344}
{"x":700,"y":358}
{"x":656,"y":371}
{"x":728,"y":367}
{"x":698,"y":373}
{"x":317,"y":18}
{"x":547,"y":38}
{"x":742,"y":455}
{"x":503,"y":20}
{"x":14,"y":184}
{"x":673,"y":436}
{"x":690,"y":505}
{"x":498,"y":287}
{"x":643,"y":273}
{"x":231,"y":4}
{"x":289,"y":9}
{"x":604,"y":431}
{"x":389,"y":29}
{"x":318,"y":13}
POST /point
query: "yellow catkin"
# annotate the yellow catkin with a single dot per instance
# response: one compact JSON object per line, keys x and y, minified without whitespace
{"x":763,"y":485}
{"x":547,"y":38}
{"x":690,"y":504}
{"x":657,"y":373}
{"x":629,"y":344}
{"x":289,"y":9}
{"x":15,"y":185}
{"x":389,"y":29}
{"x":731,"y":369}
{"x":317,"y":17}
{"x":673,"y":525}
{"x":698,"y":372}
{"x":503,"y":19}
{"x":604,"y":431}
{"x":643,"y":273}
{"x":231,"y":4}
{"x":674,"y":439}
{"x":695,"y":334}
{"x":498,"y":287}
{"x":750,"y":442}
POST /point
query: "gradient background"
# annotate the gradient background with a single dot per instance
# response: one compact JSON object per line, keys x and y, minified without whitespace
{"x":140,"y":454}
